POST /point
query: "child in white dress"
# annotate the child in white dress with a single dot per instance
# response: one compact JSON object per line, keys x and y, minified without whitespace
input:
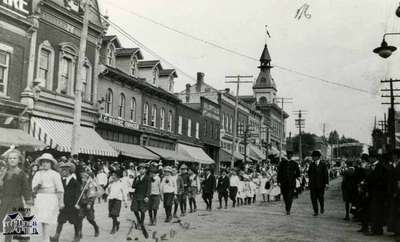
{"x":48,"y":192}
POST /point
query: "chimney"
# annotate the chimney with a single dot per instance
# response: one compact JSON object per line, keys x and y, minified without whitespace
{"x":200,"y":81}
{"x":187,"y":93}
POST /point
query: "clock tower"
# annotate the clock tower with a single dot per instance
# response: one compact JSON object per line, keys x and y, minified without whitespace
{"x":265,"y":88}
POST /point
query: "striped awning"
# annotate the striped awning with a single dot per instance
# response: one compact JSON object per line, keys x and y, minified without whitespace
{"x":134,"y":151}
{"x":58,"y":135}
{"x":19,"y":138}
{"x":255,"y":153}
{"x":196,"y":153}
{"x":169,"y":154}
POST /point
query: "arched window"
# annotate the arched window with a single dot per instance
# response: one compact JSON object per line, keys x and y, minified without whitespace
{"x":146,"y":114}
{"x":189,"y":128}
{"x":122,"y":105}
{"x":109,"y":101}
{"x":66,"y":75}
{"x":162,"y":118}
{"x":45,"y":64}
{"x":133,"y":109}
{"x":87,"y":81}
{"x":154,"y":116}
{"x":263,"y":100}
{"x":170,"y":121}
{"x":110,"y":55}
{"x":231,"y":125}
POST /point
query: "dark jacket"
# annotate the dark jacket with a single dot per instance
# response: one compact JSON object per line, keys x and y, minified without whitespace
{"x":288,"y":172}
{"x":72,"y":190}
{"x":142,"y":187}
{"x":208,"y":185}
{"x":223,"y":184}
{"x":318,"y":175}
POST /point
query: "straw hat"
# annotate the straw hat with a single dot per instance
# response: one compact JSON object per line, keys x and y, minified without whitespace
{"x":168,"y":169}
{"x":48,"y":157}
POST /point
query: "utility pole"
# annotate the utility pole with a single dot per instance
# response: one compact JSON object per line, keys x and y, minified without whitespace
{"x":78,"y":88}
{"x":237,"y":82}
{"x":246,"y":134}
{"x":266,"y":144}
{"x":391,"y":113}
{"x":282,"y":101}
{"x":300,"y":123}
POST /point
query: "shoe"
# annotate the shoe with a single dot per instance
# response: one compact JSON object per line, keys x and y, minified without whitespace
{"x":96,"y":231}
{"x":54,"y":238}
{"x":176,"y":216}
{"x":145,"y":233}
{"x":315,"y":214}
{"x":195,"y":210}
{"x":191,"y":211}
{"x":112,"y":230}
{"x":287,"y":212}
{"x":117,"y":226}
{"x":346,"y":219}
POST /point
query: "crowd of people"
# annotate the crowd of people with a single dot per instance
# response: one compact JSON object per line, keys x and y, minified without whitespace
{"x":70,"y":188}
{"x":371,"y":192}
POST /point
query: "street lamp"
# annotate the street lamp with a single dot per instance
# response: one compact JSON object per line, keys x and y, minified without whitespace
{"x":385,"y":50}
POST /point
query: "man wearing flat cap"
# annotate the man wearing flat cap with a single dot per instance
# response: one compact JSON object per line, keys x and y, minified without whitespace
{"x":318,"y":181}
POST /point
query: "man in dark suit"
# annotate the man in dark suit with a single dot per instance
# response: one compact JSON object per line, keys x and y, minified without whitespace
{"x":142,"y":186}
{"x":208,"y":188}
{"x":318,"y":181}
{"x":223,"y":188}
{"x":70,"y":212}
{"x":288,"y":172}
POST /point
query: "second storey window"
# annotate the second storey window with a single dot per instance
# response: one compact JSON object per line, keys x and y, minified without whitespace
{"x":146,"y":114}
{"x":4,"y":67}
{"x":66,"y":78}
{"x":197,"y":130}
{"x":189,"y":128}
{"x":109,"y":102}
{"x":154,"y":116}
{"x":45,"y":64}
{"x":170,"y":121}
{"x":162,"y":118}
{"x":180,"y":125}
{"x":155,"y":75}
{"x":122,"y":102}
{"x":110,"y":55}
{"x":133,"y":109}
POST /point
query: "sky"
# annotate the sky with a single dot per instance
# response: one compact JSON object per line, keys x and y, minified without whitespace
{"x":334,"y":44}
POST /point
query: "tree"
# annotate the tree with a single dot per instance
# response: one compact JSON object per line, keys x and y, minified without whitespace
{"x":307,"y":143}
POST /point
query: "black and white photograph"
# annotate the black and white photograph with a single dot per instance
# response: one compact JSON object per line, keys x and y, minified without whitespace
{"x":189,"y":120}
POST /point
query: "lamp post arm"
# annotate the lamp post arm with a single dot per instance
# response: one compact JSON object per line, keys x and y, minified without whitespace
{"x":390,"y":33}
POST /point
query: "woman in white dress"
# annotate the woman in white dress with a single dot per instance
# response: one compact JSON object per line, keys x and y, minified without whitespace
{"x":48,"y":191}
{"x":263,"y":183}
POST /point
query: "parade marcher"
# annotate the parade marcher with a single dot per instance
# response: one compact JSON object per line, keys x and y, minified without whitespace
{"x":70,"y":212}
{"x":48,"y":191}
{"x":142,"y":186}
{"x":88,"y":196}
{"x":248,"y":195}
{"x":208,"y":187}
{"x":362,"y":176}
{"x":116,"y":195}
{"x":240,"y":194}
{"x":223,"y":188}
{"x":102,"y":180}
{"x":14,"y":186}
{"x":377,"y":189}
{"x":183,"y":183}
{"x":394,"y":198}
{"x":288,"y":172}
{"x":233,"y":186}
{"x":155,"y":194}
{"x":349,"y":187}
{"x":263,"y":185}
{"x":194,"y":187}
{"x":318,"y":181}
{"x":174,"y":177}
{"x":168,"y":191}
{"x":255,"y":184}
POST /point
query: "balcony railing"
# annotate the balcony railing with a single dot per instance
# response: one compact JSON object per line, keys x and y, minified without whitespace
{"x":106,"y":118}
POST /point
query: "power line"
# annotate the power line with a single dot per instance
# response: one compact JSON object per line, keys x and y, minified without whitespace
{"x":238,"y":53}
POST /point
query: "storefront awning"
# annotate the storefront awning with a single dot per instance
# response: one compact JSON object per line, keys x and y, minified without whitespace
{"x":19,"y":138}
{"x":196,"y":153}
{"x":169,"y":154}
{"x":134,"y":151}
{"x":58,"y":135}
{"x":226,"y":156}
{"x":255,"y":153}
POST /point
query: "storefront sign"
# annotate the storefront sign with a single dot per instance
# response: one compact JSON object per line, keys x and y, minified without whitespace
{"x":119,"y":122}
{"x":210,"y":111}
{"x":20,"y":7}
